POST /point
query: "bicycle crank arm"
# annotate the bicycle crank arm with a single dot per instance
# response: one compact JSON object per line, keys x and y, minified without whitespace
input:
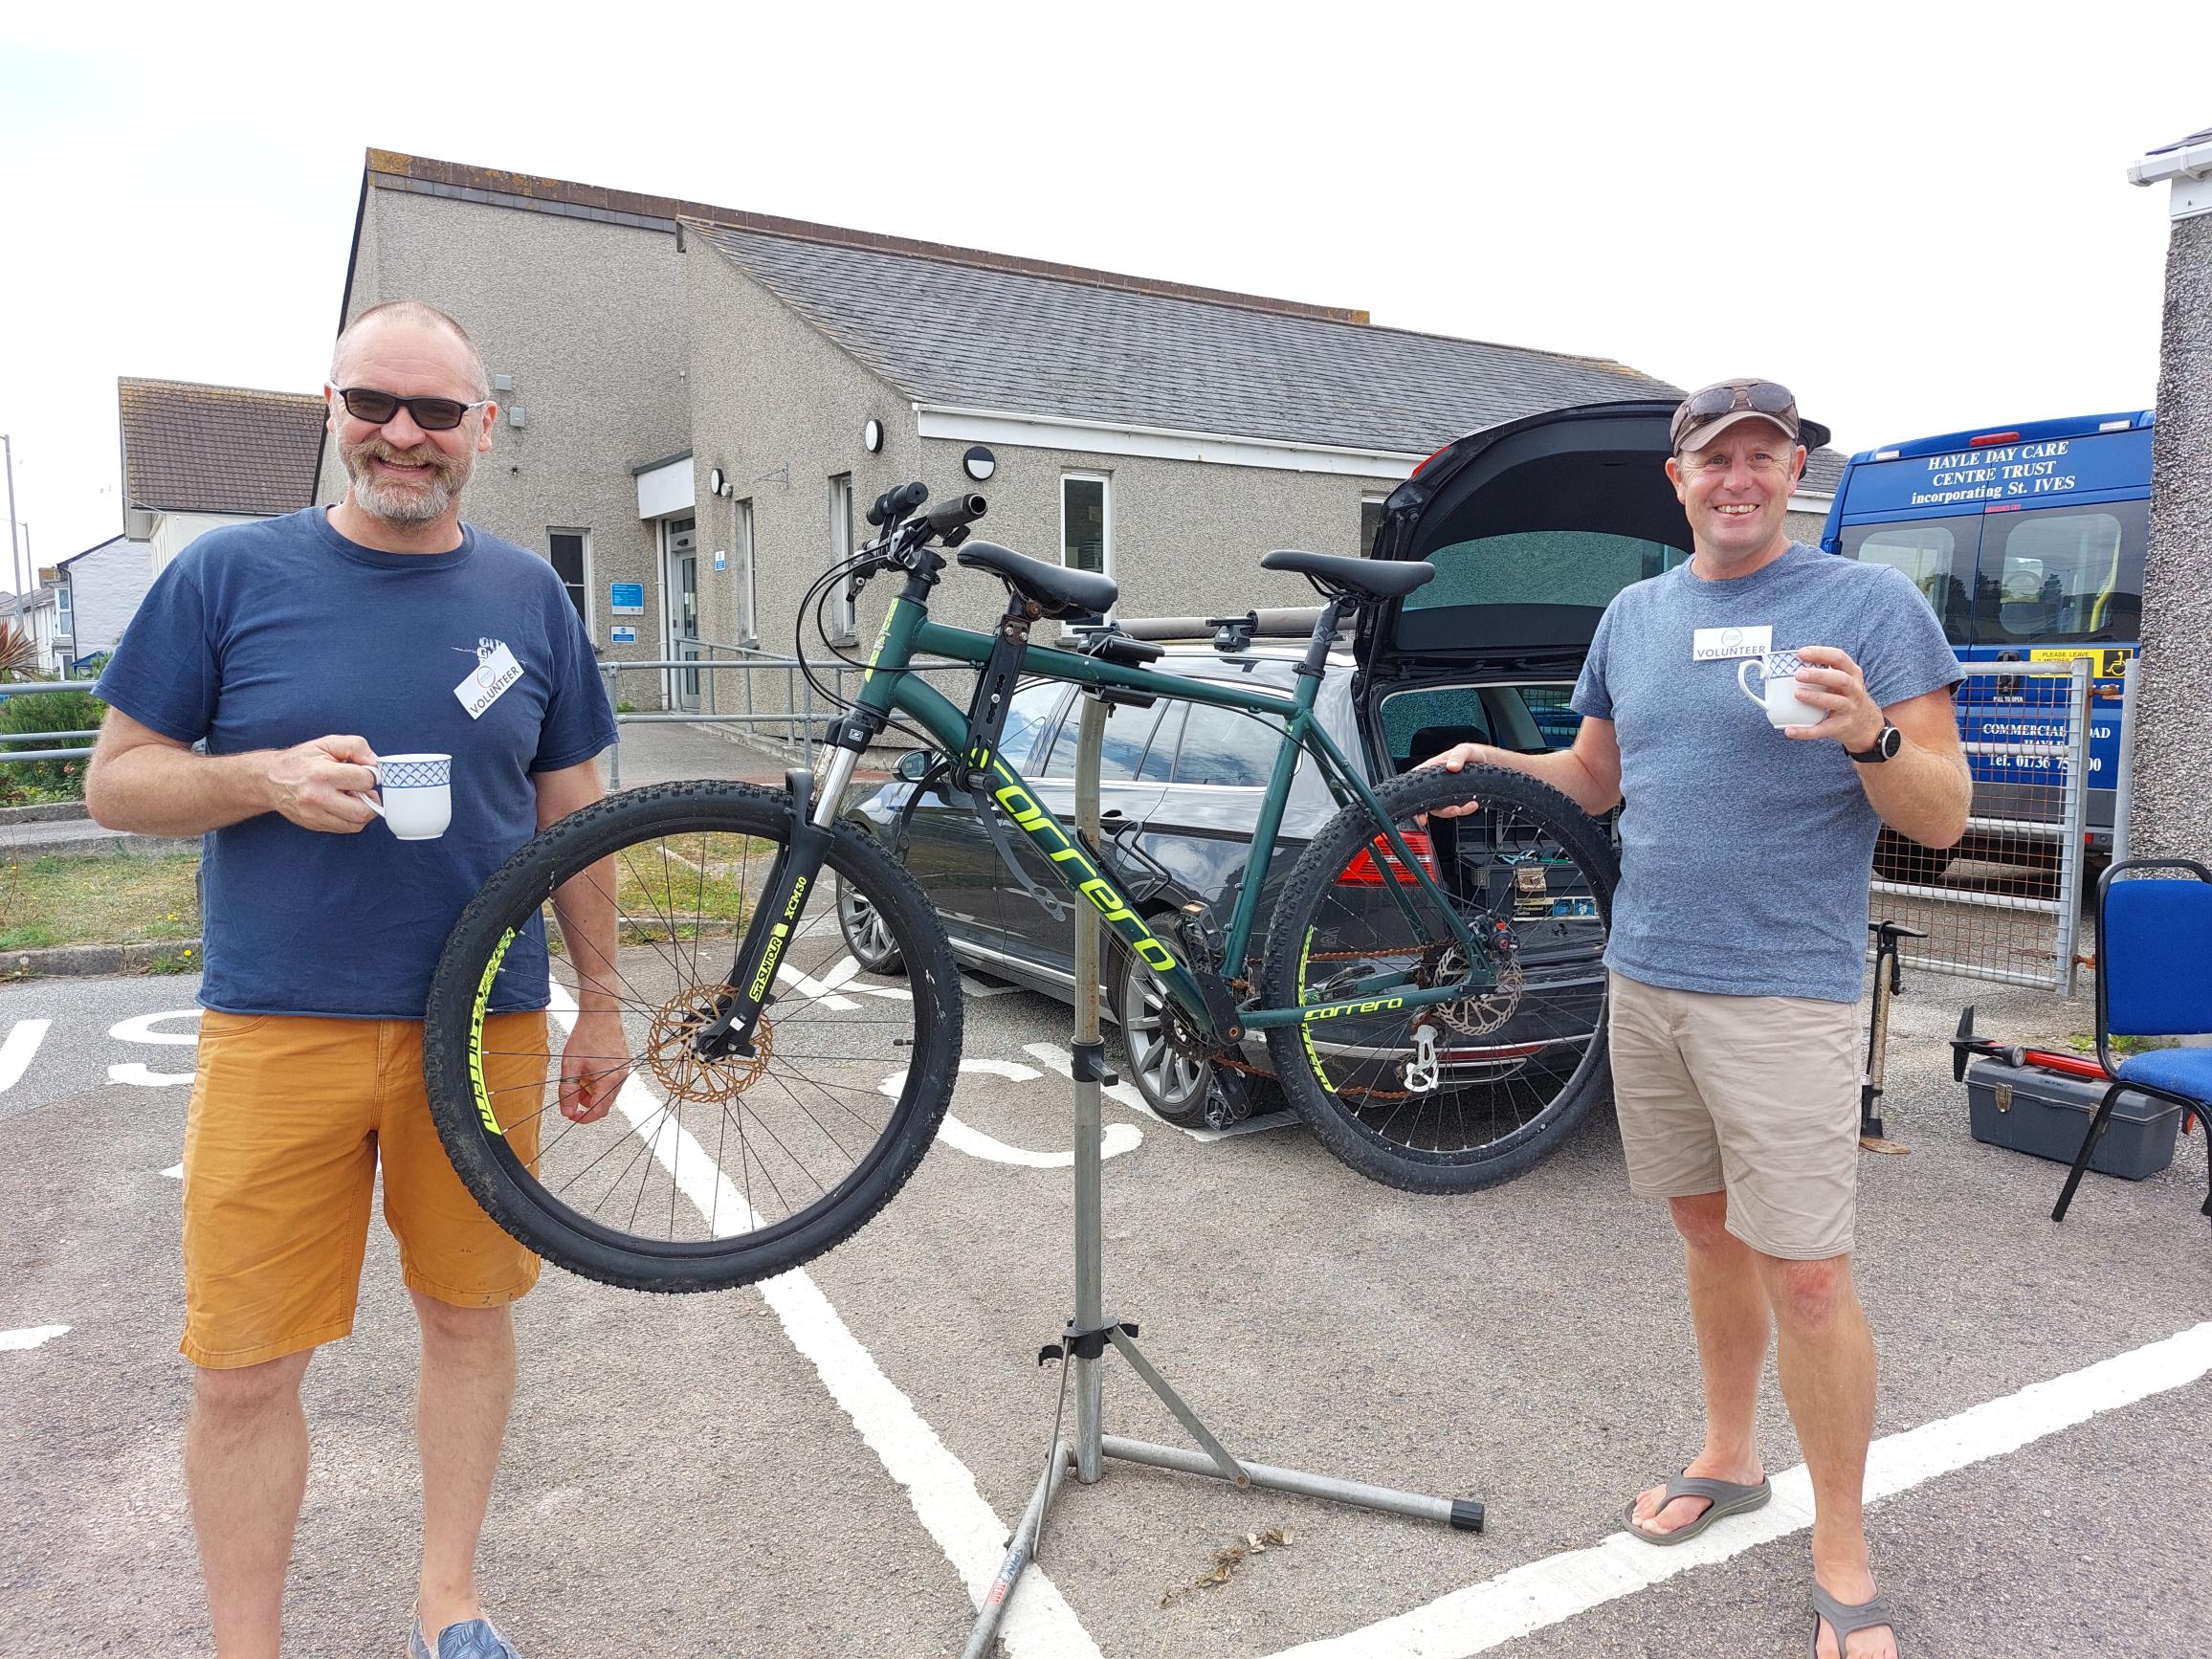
{"x":791,"y":883}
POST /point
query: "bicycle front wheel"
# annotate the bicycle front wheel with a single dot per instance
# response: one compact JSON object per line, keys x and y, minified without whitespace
{"x":1465,"y":1094}
{"x":710,"y":1170}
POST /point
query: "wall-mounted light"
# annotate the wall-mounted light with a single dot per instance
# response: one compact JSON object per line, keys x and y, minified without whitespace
{"x":871,"y":436}
{"x":714,"y":480}
{"x":979,"y":463}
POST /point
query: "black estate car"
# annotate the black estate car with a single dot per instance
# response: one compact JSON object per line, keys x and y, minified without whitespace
{"x":1533,"y":527}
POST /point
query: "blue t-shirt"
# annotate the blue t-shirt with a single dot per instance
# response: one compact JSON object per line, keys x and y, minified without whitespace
{"x":1745,"y":854}
{"x":261,"y":636}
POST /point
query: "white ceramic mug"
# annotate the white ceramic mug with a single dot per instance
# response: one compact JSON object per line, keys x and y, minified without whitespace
{"x":418,"y":794}
{"x":1778,"y":688}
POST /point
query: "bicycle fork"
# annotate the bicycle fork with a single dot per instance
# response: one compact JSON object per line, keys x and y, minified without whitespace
{"x":785,"y":894}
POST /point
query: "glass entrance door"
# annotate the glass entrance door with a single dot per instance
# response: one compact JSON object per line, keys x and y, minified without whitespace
{"x":682,"y":590}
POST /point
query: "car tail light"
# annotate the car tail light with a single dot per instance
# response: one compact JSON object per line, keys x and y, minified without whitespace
{"x":1431,"y":456}
{"x":1368,"y":862}
{"x":1991,"y":438}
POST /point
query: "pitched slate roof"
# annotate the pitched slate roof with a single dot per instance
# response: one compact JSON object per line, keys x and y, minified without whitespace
{"x":217,"y":449}
{"x":964,"y":335}
{"x":1823,"y":472}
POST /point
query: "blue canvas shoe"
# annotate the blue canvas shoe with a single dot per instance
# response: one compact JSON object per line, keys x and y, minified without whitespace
{"x":470,"y":1639}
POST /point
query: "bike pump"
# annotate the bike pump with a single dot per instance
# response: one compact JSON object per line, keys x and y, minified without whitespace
{"x":1083,"y":1344}
{"x":1889,"y":982}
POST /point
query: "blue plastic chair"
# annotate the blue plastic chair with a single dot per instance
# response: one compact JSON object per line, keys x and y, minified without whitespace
{"x":2154,"y":979}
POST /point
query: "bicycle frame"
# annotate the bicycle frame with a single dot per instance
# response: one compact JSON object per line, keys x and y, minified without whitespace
{"x":891,"y":684}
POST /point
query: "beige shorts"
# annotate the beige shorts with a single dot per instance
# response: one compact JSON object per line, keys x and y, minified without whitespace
{"x":1757,"y":1097}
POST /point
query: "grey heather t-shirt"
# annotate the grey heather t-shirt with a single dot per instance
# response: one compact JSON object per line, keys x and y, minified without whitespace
{"x":1744,"y":853}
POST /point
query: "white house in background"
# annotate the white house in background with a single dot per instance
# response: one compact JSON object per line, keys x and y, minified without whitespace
{"x":196,"y":457}
{"x":43,"y":613}
{"x":100,"y":588}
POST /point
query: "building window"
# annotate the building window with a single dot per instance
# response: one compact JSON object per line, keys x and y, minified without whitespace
{"x":748,"y":586}
{"x":571,"y":557}
{"x":1086,"y":523}
{"x":1370,"y":523}
{"x":844,"y":622}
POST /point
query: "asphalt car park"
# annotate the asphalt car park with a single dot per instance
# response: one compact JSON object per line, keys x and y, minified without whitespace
{"x":826,"y":1464}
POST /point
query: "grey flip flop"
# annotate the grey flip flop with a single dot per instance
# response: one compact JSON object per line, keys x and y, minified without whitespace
{"x":1847,"y":1619}
{"x":1726,"y":1497}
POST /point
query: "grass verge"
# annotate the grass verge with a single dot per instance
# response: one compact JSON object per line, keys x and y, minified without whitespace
{"x":115,"y":899}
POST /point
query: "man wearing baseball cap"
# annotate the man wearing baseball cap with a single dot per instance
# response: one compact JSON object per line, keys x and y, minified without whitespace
{"x":1738,"y":942}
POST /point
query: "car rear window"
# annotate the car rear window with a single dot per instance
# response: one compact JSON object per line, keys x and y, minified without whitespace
{"x":1226,"y":748}
{"x":1532,"y":587}
{"x":1123,"y":747}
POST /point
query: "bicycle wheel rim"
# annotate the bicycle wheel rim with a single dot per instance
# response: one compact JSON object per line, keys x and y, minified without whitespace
{"x":706,"y":1184}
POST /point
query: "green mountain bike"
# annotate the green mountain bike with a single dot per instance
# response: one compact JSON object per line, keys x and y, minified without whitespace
{"x":1429,"y":991}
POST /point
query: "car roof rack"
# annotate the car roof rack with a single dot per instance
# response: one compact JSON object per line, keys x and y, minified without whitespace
{"x":1282,"y":622}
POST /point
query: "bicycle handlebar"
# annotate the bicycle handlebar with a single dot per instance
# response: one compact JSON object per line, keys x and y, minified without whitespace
{"x":893,"y":505}
{"x":950,"y":515}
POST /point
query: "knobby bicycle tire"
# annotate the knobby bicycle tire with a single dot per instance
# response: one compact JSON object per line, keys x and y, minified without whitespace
{"x":1517,"y":1067}
{"x":708,"y":1172}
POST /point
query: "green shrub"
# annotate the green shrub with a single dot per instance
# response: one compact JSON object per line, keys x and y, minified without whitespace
{"x":47,"y":711}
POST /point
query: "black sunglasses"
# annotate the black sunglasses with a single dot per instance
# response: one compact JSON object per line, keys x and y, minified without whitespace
{"x":433,"y":415}
{"x":1760,"y":396}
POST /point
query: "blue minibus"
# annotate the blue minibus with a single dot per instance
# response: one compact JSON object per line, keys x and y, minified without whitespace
{"x":2027,"y":541}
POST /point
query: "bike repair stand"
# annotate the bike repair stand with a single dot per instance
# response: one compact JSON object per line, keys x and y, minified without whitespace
{"x":1084,"y":1342}
{"x":1887,"y":985}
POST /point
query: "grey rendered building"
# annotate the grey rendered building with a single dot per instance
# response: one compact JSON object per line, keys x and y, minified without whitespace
{"x":698,"y":404}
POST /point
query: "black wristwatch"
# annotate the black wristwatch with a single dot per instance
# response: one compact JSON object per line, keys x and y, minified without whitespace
{"x":1883,"y":749}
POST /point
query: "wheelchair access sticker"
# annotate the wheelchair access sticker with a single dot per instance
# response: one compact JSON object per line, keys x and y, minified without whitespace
{"x":2105,"y":662}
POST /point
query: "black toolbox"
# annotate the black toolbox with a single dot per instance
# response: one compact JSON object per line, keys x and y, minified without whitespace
{"x":2031,"y":1110}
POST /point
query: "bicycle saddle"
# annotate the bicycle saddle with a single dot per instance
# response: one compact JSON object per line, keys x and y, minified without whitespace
{"x":1376,"y":578}
{"x":1060,"y":593}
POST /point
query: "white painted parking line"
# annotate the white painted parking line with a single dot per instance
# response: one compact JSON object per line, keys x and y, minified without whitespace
{"x":1114,"y":1139}
{"x":940,"y":1487}
{"x":1127,"y":1094}
{"x":17,"y":1049}
{"x":1561,"y":1587}
{"x":175,"y":1172}
{"x":140,"y":1029}
{"x":136,"y":1073}
{"x":32,"y":1337}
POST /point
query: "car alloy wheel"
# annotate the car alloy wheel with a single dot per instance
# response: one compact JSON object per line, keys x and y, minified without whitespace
{"x":1173,"y":1085}
{"x":867,"y":936}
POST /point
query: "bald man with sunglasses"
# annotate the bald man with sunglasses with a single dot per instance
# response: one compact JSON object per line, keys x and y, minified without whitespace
{"x":295,"y":651}
{"x":1739,"y":933}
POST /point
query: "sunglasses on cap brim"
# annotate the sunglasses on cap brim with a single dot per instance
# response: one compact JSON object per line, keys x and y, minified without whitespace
{"x":1759,"y":396}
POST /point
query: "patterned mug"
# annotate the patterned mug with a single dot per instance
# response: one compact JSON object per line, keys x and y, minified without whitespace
{"x":418,"y":794}
{"x":1778,"y":688}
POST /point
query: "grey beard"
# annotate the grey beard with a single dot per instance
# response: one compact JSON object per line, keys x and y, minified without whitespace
{"x":401,"y":504}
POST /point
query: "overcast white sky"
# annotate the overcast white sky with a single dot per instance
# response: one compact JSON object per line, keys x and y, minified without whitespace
{"x":1915,"y":215}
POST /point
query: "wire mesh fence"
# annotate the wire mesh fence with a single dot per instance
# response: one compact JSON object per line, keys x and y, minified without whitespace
{"x":2005,"y":904}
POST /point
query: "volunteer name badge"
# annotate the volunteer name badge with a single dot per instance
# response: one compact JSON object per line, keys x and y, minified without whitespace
{"x":494,"y":672}
{"x":1727,"y":644}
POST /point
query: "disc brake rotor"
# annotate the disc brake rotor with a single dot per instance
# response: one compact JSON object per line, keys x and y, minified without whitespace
{"x":1487,"y":1009}
{"x":673,"y":1054}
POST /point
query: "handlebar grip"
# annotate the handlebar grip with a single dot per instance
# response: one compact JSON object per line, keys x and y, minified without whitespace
{"x":893,"y":505}
{"x":955,"y":511}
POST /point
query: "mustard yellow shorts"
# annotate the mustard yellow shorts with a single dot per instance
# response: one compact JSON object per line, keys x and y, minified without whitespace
{"x":290,"y":1118}
{"x":1757,"y":1097}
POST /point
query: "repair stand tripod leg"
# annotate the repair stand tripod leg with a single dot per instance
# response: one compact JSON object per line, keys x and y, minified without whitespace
{"x":1089,"y":1333}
